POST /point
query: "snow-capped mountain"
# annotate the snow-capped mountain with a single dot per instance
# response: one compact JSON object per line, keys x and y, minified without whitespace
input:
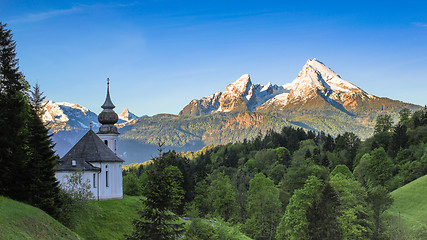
{"x":316,"y":87}
{"x":241,"y":95}
{"x":69,"y":122}
{"x":68,"y":116}
{"x":126,"y":115}
{"x":317,"y":82}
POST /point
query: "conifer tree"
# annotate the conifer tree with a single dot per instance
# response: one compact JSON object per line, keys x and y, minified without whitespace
{"x":37,"y":100}
{"x":164,"y":193}
{"x":13,"y":116}
{"x":42,"y":160}
{"x":27,"y":158}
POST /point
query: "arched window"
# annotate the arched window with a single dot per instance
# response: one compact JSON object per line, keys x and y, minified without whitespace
{"x":106,"y":179}
{"x":106,"y":142}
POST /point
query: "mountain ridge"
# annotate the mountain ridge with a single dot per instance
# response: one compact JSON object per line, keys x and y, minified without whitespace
{"x":317,"y":99}
{"x":313,"y":83}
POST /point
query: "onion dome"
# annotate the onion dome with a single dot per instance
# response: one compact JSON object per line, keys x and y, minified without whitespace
{"x":108,"y":117}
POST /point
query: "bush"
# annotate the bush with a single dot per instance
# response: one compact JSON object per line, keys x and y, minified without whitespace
{"x":132,"y":185}
{"x":74,"y":197}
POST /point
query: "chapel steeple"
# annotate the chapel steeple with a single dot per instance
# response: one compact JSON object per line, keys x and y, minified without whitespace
{"x":108,"y":104}
{"x":108,"y":117}
{"x":108,"y":132}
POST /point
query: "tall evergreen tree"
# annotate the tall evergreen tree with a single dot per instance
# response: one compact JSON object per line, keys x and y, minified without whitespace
{"x":43,"y":185}
{"x":26,"y":153}
{"x":399,"y":139}
{"x":37,"y":100}
{"x":13,"y":117}
{"x":163,"y":192}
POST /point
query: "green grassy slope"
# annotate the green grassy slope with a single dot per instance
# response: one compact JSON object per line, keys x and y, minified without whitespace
{"x":112,"y":220}
{"x":22,"y":221}
{"x":410,"y":201}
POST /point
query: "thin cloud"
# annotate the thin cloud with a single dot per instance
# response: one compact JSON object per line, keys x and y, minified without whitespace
{"x":420,"y":24}
{"x":35,"y":17}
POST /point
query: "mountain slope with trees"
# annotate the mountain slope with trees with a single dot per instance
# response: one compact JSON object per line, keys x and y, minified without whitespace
{"x":318,"y":99}
{"x":298,"y":184}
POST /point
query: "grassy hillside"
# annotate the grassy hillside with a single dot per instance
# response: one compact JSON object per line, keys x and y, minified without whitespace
{"x":111,"y":219}
{"x":22,"y":221}
{"x":411,"y":202}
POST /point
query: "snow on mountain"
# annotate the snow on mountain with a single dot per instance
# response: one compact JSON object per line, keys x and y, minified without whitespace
{"x":240,"y":95}
{"x":126,"y":115}
{"x":315,"y":77}
{"x":67,"y":116}
{"x":315,"y":80}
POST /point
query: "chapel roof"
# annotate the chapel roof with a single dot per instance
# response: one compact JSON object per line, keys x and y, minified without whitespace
{"x":90,"y":148}
{"x":80,"y":164}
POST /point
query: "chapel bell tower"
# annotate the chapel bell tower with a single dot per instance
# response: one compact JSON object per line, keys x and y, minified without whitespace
{"x":108,"y":132}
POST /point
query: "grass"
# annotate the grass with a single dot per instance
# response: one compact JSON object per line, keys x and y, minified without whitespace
{"x":22,"y":221}
{"x":410,"y":203}
{"x":110,"y":219}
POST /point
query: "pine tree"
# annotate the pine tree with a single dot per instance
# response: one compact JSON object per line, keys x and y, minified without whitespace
{"x":163,"y":192}
{"x":37,"y":100}
{"x":13,"y":117}
{"x":43,"y":185}
{"x":27,"y":158}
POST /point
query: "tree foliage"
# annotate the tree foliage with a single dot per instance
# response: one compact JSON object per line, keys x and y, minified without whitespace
{"x":263,"y":208}
{"x":74,"y":195}
{"x":354,"y":212}
{"x":294,"y":224}
{"x":37,"y":100}
{"x":384,"y":123}
{"x":164,"y":193}
{"x":26,"y":154}
{"x":222,"y":196}
{"x":344,"y":206}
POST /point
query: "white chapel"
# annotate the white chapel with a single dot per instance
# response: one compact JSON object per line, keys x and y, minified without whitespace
{"x":95,"y":154}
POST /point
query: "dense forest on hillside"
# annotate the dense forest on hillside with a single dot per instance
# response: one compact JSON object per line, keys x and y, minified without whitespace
{"x":298,"y":184}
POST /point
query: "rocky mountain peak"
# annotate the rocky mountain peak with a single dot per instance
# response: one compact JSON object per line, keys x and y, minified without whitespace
{"x":64,"y":115}
{"x":316,"y":86}
{"x":240,"y":87}
{"x":126,"y":115}
{"x":315,"y":77}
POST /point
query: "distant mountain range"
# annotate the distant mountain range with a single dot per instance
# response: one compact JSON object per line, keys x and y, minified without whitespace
{"x":69,"y":122}
{"x":317,"y":88}
{"x":317,"y":99}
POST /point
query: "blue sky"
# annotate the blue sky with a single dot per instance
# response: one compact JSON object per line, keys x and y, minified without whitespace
{"x":161,"y":54}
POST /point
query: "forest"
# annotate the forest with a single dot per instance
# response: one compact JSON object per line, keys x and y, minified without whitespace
{"x":292,"y":184}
